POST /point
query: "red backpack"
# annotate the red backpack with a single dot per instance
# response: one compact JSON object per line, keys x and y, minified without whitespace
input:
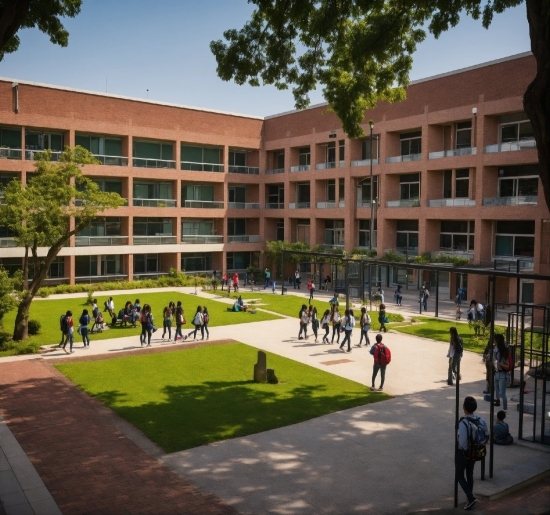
{"x":384,"y":355}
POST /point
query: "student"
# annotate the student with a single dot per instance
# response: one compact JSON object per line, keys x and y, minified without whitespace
{"x":84,"y":321}
{"x":382,"y":358}
{"x":303,"y":322}
{"x":110,"y":305}
{"x":454,"y":354}
{"x":398,"y":295}
{"x":235,"y":282}
{"x":328,"y":281}
{"x":334,"y":301}
{"x":67,"y":326}
{"x":349,"y":324}
{"x":382,"y":318}
{"x":167,"y":322}
{"x":336,"y":324}
{"x":502,"y":369}
{"x":297,"y":279}
{"x":501,"y":431}
{"x":314,"y":321}
{"x":364,"y":322}
{"x":147,"y":325}
{"x":325,"y":324}
{"x":380,"y":292}
{"x":224,"y":280}
{"x":424,"y":295}
{"x":472,"y":429}
{"x":198,"y":323}
{"x":180,"y":320}
{"x":311,"y":289}
{"x":267,"y":277}
{"x":205,"y":320}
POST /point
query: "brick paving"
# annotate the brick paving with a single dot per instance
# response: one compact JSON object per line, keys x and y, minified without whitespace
{"x":85,"y":462}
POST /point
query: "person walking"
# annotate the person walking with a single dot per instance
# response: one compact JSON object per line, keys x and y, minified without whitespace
{"x":349,"y":324}
{"x":398,"y":295}
{"x":382,"y":318}
{"x":297,"y":279}
{"x":147,"y":325}
{"x":424,"y":295}
{"x":224,"y":280}
{"x":502,"y":363}
{"x":382,"y":358}
{"x":325,"y":324}
{"x":197,"y":322}
{"x":472,"y":429}
{"x":235,"y":282}
{"x":380,"y":293}
{"x":364,"y":322}
{"x":303,"y":322}
{"x":67,"y":327}
{"x":336,"y":324}
{"x":454,"y":354}
{"x":205,"y":320}
{"x":84,"y":321}
{"x":267,"y":277}
{"x":314,"y":321}
{"x":214,"y":280}
{"x":311,"y":287}
{"x":167,"y":322}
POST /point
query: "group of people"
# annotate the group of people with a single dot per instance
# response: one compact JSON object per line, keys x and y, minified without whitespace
{"x":226,"y":280}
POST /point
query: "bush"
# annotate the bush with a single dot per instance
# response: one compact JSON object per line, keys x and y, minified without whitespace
{"x":34,"y":327}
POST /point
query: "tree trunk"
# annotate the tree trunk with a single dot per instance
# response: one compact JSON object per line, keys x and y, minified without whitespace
{"x":536,"y":100}
{"x":26,"y":269}
{"x":21,"y":329}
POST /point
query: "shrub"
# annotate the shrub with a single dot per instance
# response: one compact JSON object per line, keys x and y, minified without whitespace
{"x":34,"y":327}
{"x":90,"y":298}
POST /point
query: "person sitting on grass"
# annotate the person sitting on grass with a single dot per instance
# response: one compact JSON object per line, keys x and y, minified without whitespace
{"x":242,"y":305}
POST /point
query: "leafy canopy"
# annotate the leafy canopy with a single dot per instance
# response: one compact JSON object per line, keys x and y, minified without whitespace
{"x":359,"y":51}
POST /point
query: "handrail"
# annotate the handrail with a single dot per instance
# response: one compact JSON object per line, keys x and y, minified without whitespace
{"x":298,"y":205}
{"x":403,"y":203}
{"x":244,"y":238}
{"x":250,"y":170}
{"x":154,"y":240}
{"x":404,"y":159}
{"x":154,"y":202}
{"x":31,"y":155}
{"x":451,"y":202}
{"x":201,"y":238}
{"x":300,"y":168}
{"x":325,"y":166}
{"x":112,"y":160}
{"x":7,"y":242}
{"x":530,"y":200}
{"x":325,"y":205}
{"x":511,"y":146}
{"x":203,"y":204}
{"x":88,"y":241}
{"x":467,"y":151}
{"x":275,"y":170}
{"x":201,"y":167}
{"x":365,"y":162}
{"x":10,"y":153}
{"x":243,"y":205}
{"x":275,"y":205}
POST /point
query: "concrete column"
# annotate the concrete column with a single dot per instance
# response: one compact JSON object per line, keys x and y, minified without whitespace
{"x":72,"y":271}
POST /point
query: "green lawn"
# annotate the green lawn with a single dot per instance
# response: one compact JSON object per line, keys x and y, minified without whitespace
{"x":48,"y":311}
{"x":193,"y":397}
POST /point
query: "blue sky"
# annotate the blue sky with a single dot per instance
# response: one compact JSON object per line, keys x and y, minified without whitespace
{"x":163,"y":46}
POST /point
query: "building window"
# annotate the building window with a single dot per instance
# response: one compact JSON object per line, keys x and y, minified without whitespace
{"x":280,"y":160}
{"x":10,"y":138}
{"x":457,"y":235}
{"x":407,"y":235}
{"x":152,"y":226}
{"x":515,"y":238}
{"x":196,"y":262}
{"x":304,"y":156}
{"x":364,"y":233}
{"x":204,"y":192}
{"x":411,"y":143}
{"x":236,"y":226}
{"x":515,"y":127}
{"x":147,"y":263}
{"x":237,"y":194}
{"x":302,"y":192}
{"x":518,"y":181}
{"x":99,"y":145}
{"x":276,"y":194}
{"x":207,"y":159}
{"x":341,"y":150}
{"x":341,"y":189}
{"x":242,"y":260}
{"x":366,"y":189}
{"x":11,"y":265}
{"x":109,"y":186}
{"x":330,"y":156}
{"x":448,"y":184}
{"x":334,"y":232}
{"x":6,"y":178}
{"x":197,"y":227}
{"x":462,"y":183}
{"x":302,"y":231}
{"x":237,"y":158}
{"x":57,"y":268}
{"x":152,"y":150}
{"x":37,"y":140}
{"x":153,"y":190}
{"x":85,"y":266}
{"x":366,"y":147}
{"x":410,"y":186}
{"x":331,"y":190}
{"x":464,"y":134}
{"x":280,"y":230}
{"x":108,"y":226}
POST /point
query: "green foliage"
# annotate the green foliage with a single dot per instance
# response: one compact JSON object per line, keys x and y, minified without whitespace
{"x":44,"y":14}
{"x":392,"y":256}
{"x":358,"y":253}
{"x":274,"y":252}
{"x":90,"y":297}
{"x":426,"y":257}
{"x":7,"y":299}
{"x":34,"y":327}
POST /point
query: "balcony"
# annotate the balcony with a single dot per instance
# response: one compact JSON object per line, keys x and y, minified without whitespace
{"x":469,"y":151}
{"x":154,"y":202}
{"x":203,"y":204}
{"x":78,"y":202}
{"x":452,"y":202}
{"x":510,"y":263}
{"x":112,"y":160}
{"x":341,"y":203}
{"x":155,"y":240}
{"x":325,"y":205}
{"x":32,"y":155}
{"x":201,"y":167}
{"x":512,"y":146}
{"x":99,"y":241}
{"x":325,"y":166}
{"x":300,"y":168}
{"x":274,"y":171}
{"x":364,"y":203}
{"x":333,"y":245}
{"x":365,"y":162}
{"x":7,"y":242}
{"x":529,"y":200}
{"x":243,"y":205}
{"x":467,"y":254}
{"x":141,"y":162}
{"x":10,"y":153}
{"x":404,"y":251}
{"x":201,"y":238}
{"x":247,"y":170}
{"x":414,"y":202}
{"x":244,"y":238}
{"x":404,"y":159}
{"x":275,"y":205}
{"x":298,"y":205}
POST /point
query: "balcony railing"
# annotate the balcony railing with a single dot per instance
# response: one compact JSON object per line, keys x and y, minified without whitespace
{"x":243,"y":205}
{"x":511,"y":146}
{"x":92,"y":241}
{"x":100,"y":278}
{"x":404,"y":159}
{"x":342,"y":164}
{"x":247,"y":170}
{"x":528,"y":200}
{"x":154,"y":202}
{"x":203,"y":204}
{"x":274,"y":171}
{"x":451,"y":202}
{"x":298,"y":205}
{"x":510,"y":263}
{"x":140,"y":162}
{"x":275,"y":205}
{"x":31,"y":155}
{"x":325,"y":205}
{"x":112,"y":160}
{"x":363,"y":203}
{"x":341,"y":203}
{"x":325,"y":166}
{"x":201,"y":167}
{"x":467,"y":254}
{"x":7,"y":242}
{"x":364,"y":162}
{"x":155,"y":240}
{"x":10,"y":153}
{"x":333,"y":245}
{"x":201,"y":238}
{"x":403,"y":203}
{"x":244,"y":238}
{"x":300,"y":168}
{"x":405,"y":251}
{"x":79,"y":202}
{"x":453,"y":153}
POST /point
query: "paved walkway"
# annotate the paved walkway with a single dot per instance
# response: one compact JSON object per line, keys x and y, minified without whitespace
{"x":387,"y":457}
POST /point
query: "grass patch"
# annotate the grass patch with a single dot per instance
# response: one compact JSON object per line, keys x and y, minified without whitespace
{"x":48,"y":311}
{"x":193,"y":397}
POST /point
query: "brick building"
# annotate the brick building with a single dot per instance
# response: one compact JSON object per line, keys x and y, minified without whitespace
{"x":454,"y":172}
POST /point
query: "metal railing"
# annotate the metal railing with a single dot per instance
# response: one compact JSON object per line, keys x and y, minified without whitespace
{"x":510,"y":263}
{"x":512,"y":146}
{"x":333,"y":245}
{"x":298,"y":205}
{"x":325,"y":166}
{"x":112,"y":160}
{"x":404,"y":159}
{"x":31,"y":155}
{"x":364,"y":162}
{"x":451,"y":202}
{"x":300,"y":168}
{"x":7,"y":242}
{"x":405,"y":251}
{"x":141,"y":162}
{"x":274,"y":171}
{"x":100,"y":278}
{"x":467,"y":254}
{"x":243,"y":205}
{"x":341,"y":203}
{"x":91,"y":241}
{"x":363,"y":203}
{"x":244,"y":238}
{"x":201,"y":238}
{"x":468,"y":151}
{"x":527,"y":200}
{"x":275,"y":205}
{"x":248,"y":170}
{"x":325,"y":205}
{"x":201,"y":167}
{"x":403,"y":203}
{"x":155,"y":240}
{"x":154,"y":202}
{"x":10,"y":153}
{"x":203,"y":204}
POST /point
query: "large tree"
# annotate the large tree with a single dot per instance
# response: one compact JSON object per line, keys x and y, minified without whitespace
{"x":360,"y":51}
{"x":55,"y":204}
{"x":26,"y":14}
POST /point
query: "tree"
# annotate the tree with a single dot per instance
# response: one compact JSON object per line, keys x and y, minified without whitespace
{"x":26,"y":14}
{"x":57,"y":203}
{"x":360,"y":52}
{"x":274,"y":253}
{"x":7,"y":299}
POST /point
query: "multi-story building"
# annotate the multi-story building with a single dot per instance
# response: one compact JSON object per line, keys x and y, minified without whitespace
{"x":454,"y":171}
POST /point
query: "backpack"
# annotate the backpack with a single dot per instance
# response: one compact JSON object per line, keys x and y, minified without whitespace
{"x":384,"y":355}
{"x":143,"y":318}
{"x":459,"y":348}
{"x":95,"y":312}
{"x":205,"y":318}
{"x":197,"y":319}
{"x":105,"y":306}
{"x":510,"y":362}
{"x":63,"y":323}
{"x":476,"y":439}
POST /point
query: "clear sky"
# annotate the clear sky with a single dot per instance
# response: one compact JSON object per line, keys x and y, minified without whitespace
{"x":163,"y":46}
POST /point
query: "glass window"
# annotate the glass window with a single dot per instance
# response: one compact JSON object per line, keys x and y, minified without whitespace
{"x":152,"y":226}
{"x":457,"y":235}
{"x":10,"y":138}
{"x":515,"y":127}
{"x":515,"y":238}
{"x":280,"y":230}
{"x":85,"y":266}
{"x":331,"y":152}
{"x":276,"y":194}
{"x":407,"y":234}
{"x":196,"y":262}
{"x":153,"y":190}
{"x":236,"y":226}
{"x":204,"y":192}
{"x":464,"y":134}
{"x":518,"y":181}
{"x":304,"y":156}
{"x":153,"y":150}
{"x":341,"y":151}
{"x":302,"y":192}
{"x":194,"y":227}
{"x":411,"y":143}
{"x":100,"y":145}
{"x":280,"y":158}
{"x":242,"y":260}
{"x":334,"y":232}
{"x":462,"y":183}
{"x":147,"y":263}
{"x":341,"y":189}
{"x":237,"y":194}
{"x":366,"y":190}
{"x":237,"y":158}
{"x":410,"y":186}
{"x":448,"y":184}
{"x":302,"y":231}
{"x":331,"y":190}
